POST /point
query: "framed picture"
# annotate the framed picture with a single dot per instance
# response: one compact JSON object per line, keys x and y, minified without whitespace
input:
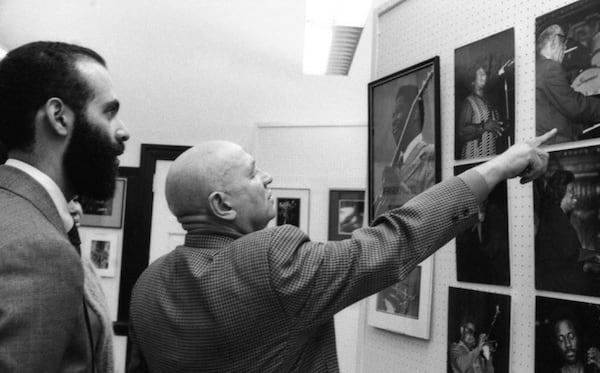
{"x":567,"y":71}
{"x":567,"y":336}
{"x":483,"y":251}
{"x":105,"y":214}
{"x":101,"y":249}
{"x":567,"y":222}
{"x":405,"y":307}
{"x":404,"y":136}
{"x":346,"y":213}
{"x":485,"y":96}
{"x":472,"y":314}
{"x":292,"y":207}
{"x":404,"y":160}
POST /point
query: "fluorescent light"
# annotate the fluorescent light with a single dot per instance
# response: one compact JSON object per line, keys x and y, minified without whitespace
{"x":323,"y":19}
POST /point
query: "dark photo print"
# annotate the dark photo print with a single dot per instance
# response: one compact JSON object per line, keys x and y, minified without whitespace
{"x":567,"y":336}
{"x":567,"y":72}
{"x":478,"y":331}
{"x":566,"y":207}
{"x":485,"y":96}
{"x":482,"y":252}
{"x":288,"y":211}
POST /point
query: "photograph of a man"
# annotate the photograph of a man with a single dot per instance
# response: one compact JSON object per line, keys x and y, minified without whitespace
{"x":484,"y":94}
{"x":478,"y":332}
{"x":566,"y":336}
{"x":567,"y":79}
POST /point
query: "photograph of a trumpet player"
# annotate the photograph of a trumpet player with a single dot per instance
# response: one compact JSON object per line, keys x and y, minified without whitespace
{"x":478,"y":331}
{"x":485,"y":96}
{"x":567,"y":72}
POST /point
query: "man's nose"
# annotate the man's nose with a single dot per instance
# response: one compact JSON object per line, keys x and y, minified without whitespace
{"x":122,"y":133}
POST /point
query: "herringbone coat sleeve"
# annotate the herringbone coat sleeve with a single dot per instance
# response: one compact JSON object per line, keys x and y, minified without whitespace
{"x":316,"y":280}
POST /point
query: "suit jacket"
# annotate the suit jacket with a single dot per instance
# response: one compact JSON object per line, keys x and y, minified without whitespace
{"x":42,"y":327}
{"x":557,"y":105}
{"x":265,"y":302}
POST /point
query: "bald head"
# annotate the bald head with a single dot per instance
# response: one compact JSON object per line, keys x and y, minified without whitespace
{"x":198,"y":172}
{"x":218,"y":183}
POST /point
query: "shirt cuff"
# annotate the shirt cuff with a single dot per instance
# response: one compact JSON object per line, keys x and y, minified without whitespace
{"x":476,"y":183}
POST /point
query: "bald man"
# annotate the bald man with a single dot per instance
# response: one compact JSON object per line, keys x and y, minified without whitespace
{"x":237,"y":297}
{"x":557,"y":104}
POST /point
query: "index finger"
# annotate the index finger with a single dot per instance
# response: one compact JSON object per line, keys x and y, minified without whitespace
{"x":543,"y":138}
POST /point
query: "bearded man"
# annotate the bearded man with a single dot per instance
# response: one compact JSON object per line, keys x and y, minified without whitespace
{"x":60,"y":128}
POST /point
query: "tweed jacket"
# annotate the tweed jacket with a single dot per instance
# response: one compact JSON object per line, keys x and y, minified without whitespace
{"x":265,"y":302}
{"x":558,"y":106}
{"x":42,"y":327}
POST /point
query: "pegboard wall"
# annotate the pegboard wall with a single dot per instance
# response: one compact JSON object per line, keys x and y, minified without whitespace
{"x":406,"y":33}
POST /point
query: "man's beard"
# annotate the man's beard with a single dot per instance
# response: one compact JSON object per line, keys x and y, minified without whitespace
{"x":90,"y":161}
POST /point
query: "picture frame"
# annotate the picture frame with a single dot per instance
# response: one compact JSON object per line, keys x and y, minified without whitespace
{"x":483,"y":251}
{"x":567,"y":223}
{"x":404,"y":159}
{"x":567,"y":84}
{"x":105,"y":214}
{"x":100,"y":247}
{"x":346,"y":213}
{"x":472,"y":313}
{"x":395,"y":177}
{"x":292,"y":207}
{"x":563,"y":319}
{"x":405,"y":307}
{"x":484,"y":93}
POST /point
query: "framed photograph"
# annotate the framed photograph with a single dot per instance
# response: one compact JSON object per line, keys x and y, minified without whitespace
{"x":483,"y":251}
{"x":101,"y":249}
{"x":405,"y":307}
{"x":292,"y":207}
{"x":568,"y":72}
{"x":567,"y":336}
{"x":105,"y":214}
{"x":346,"y":213}
{"x":485,"y":96}
{"x":404,"y":136}
{"x":475,"y":315}
{"x":567,"y":223}
{"x":404,"y":160}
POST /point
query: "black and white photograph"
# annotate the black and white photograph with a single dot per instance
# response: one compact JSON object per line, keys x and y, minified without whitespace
{"x":483,"y":251}
{"x":292,"y":206}
{"x":485,"y":96}
{"x":402,"y":298}
{"x":567,"y":336}
{"x":567,"y":71}
{"x":346,"y":213}
{"x":478,"y":331}
{"x":567,"y":226}
{"x":404,"y":130}
{"x":100,"y":247}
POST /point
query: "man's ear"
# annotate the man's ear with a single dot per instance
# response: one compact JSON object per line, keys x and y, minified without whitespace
{"x":59,"y":116}
{"x":220,"y":207}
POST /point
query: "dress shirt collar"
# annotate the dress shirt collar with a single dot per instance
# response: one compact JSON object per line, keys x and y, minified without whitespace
{"x":47,"y":183}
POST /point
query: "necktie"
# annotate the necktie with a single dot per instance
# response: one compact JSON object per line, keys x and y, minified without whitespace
{"x":74,"y":238}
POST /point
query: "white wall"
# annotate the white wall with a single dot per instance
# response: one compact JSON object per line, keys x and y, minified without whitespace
{"x":188,"y":70}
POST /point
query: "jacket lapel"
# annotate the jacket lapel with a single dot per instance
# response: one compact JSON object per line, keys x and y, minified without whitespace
{"x":23,"y":185}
